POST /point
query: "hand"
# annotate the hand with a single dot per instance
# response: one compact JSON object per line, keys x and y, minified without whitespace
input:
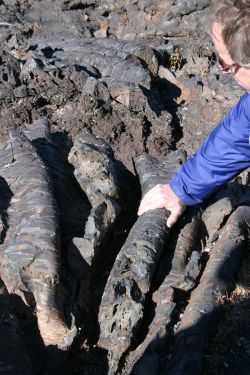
{"x":162,"y":196}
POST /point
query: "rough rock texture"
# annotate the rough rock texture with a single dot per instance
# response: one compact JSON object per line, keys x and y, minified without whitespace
{"x":88,"y":86}
{"x":52,"y":66}
{"x":30,"y":253}
{"x":204,"y":309}
{"x":98,"y":174}
{"x":184,"y":270}
{"x":71,"y":201}
{"x":123,"y":300}
{"x":108,"y":187}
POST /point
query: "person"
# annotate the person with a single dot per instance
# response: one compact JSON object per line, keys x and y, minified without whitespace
{"x":226,"y":151}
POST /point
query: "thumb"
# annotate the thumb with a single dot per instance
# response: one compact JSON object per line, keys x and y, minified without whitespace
{"x":172,"y":219}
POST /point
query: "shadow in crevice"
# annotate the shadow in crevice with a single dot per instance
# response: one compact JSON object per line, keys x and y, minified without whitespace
{"x":72,"y":202}
{"x":45,"y":360}
{"x":88,"y":362}
{"x":169,"y":255}
{"x":104,"y":260}
{"x":13,"y":358}
{"x":87,"y":286}
{"x":162,"y":96}
{"x":5,"y":197}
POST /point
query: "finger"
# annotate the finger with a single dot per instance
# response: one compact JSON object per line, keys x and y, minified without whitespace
{"x":173,"y":217}
{"x":171,"y":222}
{"x":152,"y":204}
{"x":156,"y":190}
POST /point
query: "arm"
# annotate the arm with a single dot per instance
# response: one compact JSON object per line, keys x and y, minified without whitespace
{"x":223,"y":155}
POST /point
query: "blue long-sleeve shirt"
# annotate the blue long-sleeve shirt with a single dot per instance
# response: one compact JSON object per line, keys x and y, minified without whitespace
{"x":224,"y":154}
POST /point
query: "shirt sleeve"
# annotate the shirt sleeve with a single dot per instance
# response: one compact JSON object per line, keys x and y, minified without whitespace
{"x":224,"y":154}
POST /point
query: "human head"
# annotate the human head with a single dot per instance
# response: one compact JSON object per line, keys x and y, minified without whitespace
{"x":234,"y":17}
{"x":229,"y":23}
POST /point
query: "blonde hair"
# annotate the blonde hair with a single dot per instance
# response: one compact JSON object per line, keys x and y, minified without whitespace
{"x":234,"y":17}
